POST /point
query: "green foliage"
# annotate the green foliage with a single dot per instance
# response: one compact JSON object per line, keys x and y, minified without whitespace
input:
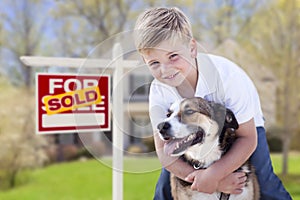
{"x":135,"y":149}
{"x":18,"y":152}
{"x":295,"y":142}
{"x":89,"y":23}
{"x":21,"y":35}
{"x":275,"y":144}
{"x":275,"y":137}
{"x":20,"y":148}
{"x":149,"y":142}
{"x":277,"y":46}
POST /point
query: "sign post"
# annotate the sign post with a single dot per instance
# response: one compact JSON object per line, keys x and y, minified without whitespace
{"x":118,"y":124}
{"x":118,"y":68}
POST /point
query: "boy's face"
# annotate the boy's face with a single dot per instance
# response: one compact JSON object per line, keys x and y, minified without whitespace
{"x":172,"y":62}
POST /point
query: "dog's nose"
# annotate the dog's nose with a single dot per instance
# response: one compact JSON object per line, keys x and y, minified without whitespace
{"x":164,"y":128}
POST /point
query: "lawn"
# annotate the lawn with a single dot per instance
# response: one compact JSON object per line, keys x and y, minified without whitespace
{"x":89,"y":180}
{"x":92,"y":180}
{"x":292,"y":180}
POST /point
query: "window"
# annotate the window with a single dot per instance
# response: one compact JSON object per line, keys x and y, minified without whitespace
{"x":139,"y":87}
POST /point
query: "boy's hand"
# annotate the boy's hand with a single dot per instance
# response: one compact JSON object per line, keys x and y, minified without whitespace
{"x":203,"y":181}
{"x":233,"y":183}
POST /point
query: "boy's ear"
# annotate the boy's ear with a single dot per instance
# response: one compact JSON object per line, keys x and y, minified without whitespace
{"x":193,"y":48}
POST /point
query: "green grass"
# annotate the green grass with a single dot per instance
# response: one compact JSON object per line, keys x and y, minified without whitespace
{"x":292,"y":180}
{"x":92,"y":180}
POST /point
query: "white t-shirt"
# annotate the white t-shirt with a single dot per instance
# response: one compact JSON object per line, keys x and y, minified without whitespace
{"x":219,"y":80}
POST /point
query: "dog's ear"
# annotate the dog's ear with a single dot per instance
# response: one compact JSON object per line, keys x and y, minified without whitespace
{"x":224,"y":116}
{"x":230,"y":120}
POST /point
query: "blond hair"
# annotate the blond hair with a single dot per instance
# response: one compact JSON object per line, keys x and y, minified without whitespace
{"x":160,"y":24}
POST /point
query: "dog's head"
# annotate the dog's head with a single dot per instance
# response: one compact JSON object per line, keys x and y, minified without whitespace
{"x":193,"y":121}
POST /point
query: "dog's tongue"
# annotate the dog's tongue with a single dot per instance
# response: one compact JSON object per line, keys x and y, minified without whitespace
{"x":176,"y":147}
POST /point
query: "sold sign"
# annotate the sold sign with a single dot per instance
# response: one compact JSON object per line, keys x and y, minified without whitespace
{"x":72,"y":100}
{"x":68,"y":103}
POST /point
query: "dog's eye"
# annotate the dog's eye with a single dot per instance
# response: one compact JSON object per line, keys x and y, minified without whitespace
{"x":228,"y":118}
{"x":169,"y":113}
{"x":189,"y":112}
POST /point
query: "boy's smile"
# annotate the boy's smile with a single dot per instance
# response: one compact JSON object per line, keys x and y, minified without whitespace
{"x":173,"y":63}
{"x":171,"y":76}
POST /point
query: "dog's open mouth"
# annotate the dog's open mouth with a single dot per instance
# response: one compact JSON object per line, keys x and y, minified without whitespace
{"x":177,"y":147}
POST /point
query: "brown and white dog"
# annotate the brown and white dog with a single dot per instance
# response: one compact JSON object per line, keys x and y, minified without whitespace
{"x":200,"y":132}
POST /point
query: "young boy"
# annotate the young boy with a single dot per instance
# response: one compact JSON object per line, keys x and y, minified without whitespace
{"x":164,"y":39}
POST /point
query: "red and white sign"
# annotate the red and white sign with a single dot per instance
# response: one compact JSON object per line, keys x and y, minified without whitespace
{"x":68,"y":103}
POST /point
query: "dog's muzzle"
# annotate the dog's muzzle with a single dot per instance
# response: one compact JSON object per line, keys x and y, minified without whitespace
{"x":164,"y":130}
{"x":177,"y":146}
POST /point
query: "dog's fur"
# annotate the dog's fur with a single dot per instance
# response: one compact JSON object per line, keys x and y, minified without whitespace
{"x":200,"y":132}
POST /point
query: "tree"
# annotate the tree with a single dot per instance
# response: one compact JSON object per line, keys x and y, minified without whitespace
{"x":85,"y":24}
{"x":216,"y":21}
{"x":21,"y":35}
{"x":277,"y":46}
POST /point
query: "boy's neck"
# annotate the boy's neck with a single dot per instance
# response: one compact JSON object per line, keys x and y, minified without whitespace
{"x":184,"y":93}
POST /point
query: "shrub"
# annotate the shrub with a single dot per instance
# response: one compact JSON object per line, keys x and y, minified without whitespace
{"x":70,"y":152}
{"x":17,"y":153}
{"x":95,"y":149}
{"x":149,"y":142}
{"x":274,"y":135}
{"x":137,"y":148}
{"x":275,"y":144}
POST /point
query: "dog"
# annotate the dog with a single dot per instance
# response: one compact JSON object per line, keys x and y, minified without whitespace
{"x":200,"y":132}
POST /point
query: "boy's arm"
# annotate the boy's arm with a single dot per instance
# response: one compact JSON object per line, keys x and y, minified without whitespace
{"x":230,"y":184}
{"x":207,"y":180}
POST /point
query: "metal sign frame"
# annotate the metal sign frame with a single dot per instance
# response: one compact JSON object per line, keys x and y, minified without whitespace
{"x":118,"y":67}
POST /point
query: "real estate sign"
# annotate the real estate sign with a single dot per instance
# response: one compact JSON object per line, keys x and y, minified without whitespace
{"x":68,"y":103}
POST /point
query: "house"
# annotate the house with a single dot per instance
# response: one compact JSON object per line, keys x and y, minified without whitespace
{"x":137,"y":127}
